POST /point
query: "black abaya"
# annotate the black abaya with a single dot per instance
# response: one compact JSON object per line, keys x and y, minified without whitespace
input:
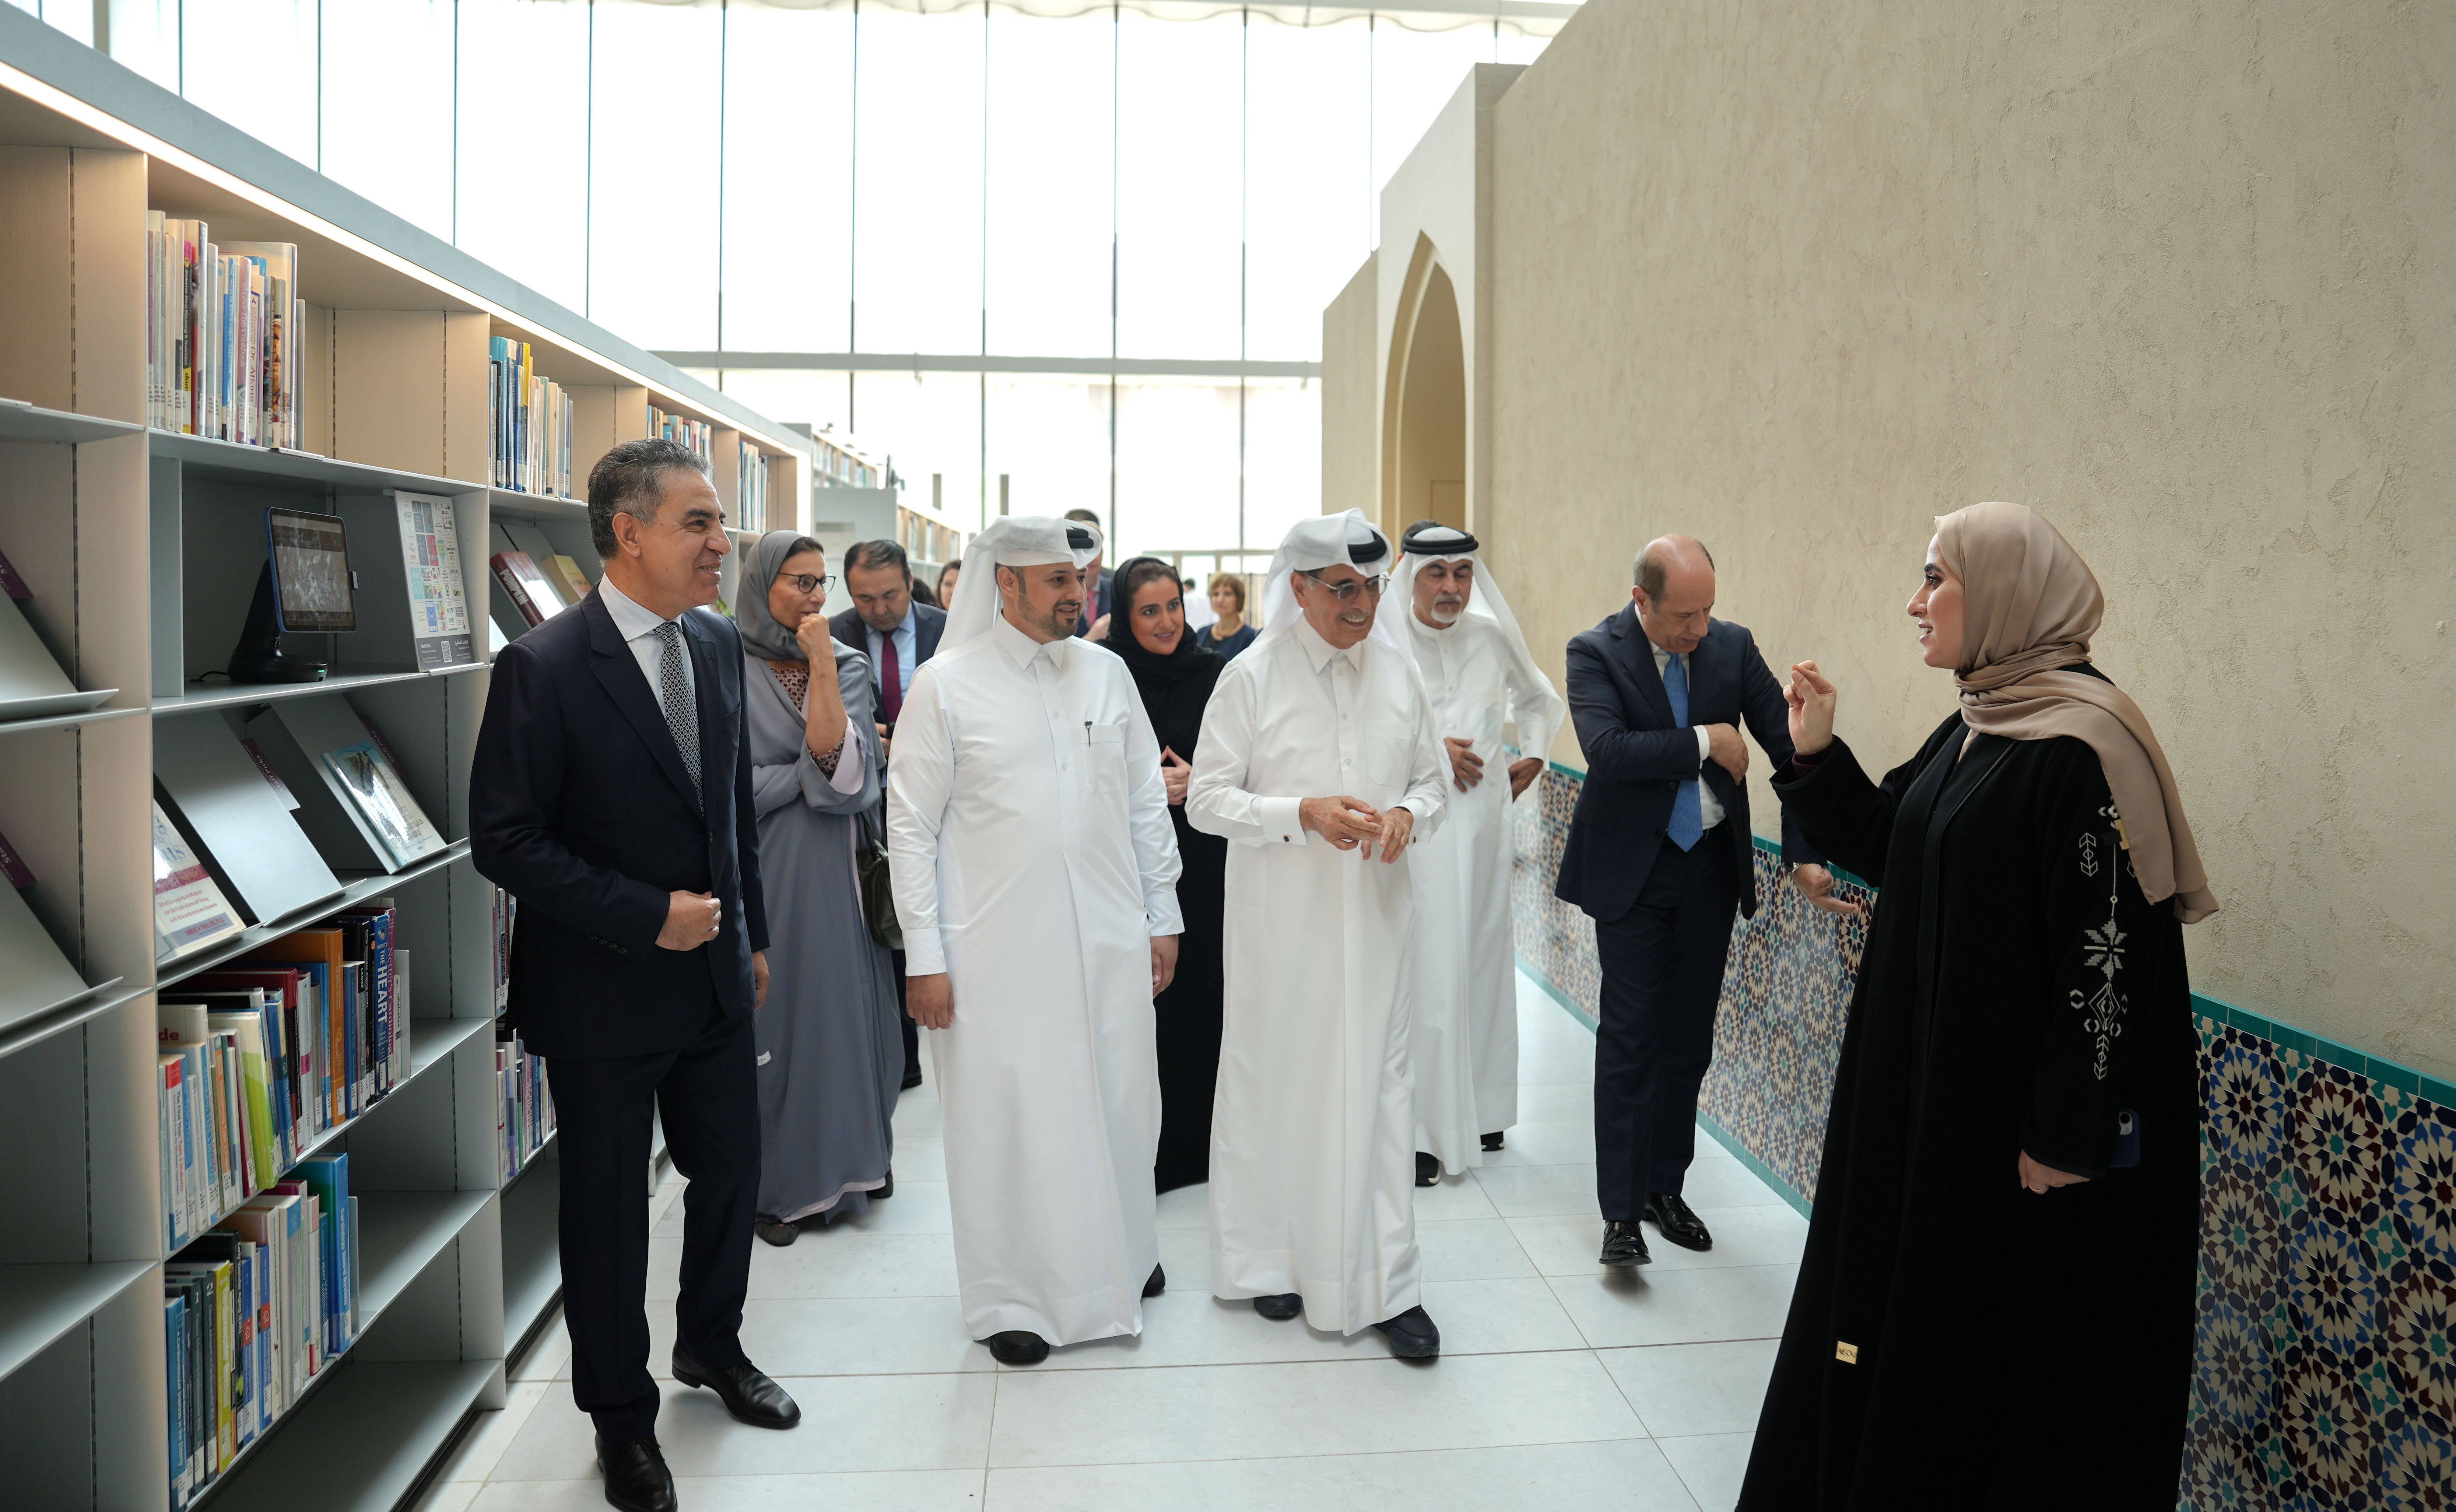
{"x":1955,"y":1339}
{"x":1175,"y":688}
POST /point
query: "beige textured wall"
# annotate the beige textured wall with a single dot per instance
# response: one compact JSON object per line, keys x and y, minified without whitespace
{"x":1798,"y":276}
{"x":1351,"y":432}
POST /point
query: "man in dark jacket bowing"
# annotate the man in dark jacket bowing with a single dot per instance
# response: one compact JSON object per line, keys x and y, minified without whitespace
{"x":1658,"y":855}
{"x":610,"y":795}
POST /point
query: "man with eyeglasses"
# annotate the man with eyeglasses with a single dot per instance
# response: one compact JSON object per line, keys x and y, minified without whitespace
{"x":1321,"y":761}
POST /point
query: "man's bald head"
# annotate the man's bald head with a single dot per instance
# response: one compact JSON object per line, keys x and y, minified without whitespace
{"x":1674,"y":592}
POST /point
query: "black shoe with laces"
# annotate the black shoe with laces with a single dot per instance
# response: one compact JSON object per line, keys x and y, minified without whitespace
{"x":1624,"y":1246}
{"x":636,"y":1476}
{"x":1678,"y":1222}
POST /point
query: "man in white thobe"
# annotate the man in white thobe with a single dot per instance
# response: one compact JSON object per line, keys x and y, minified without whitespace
{"x":1319,"y":761}
{"x":1036,"y":878}
{"x":1463,"y":997}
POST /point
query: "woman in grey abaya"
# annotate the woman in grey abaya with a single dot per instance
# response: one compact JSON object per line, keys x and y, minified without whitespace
{"x":829,"y":1051}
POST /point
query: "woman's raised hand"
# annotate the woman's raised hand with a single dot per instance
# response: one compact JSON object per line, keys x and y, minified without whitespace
{"x":1812,"y":708}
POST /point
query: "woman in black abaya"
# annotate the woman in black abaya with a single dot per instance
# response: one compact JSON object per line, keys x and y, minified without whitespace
{"x":1995,"y":1309}
{"x":1175,"y":677}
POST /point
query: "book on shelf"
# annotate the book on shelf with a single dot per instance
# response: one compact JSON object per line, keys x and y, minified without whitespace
{"x":438,"y":595}
{"x":222,"y":322}
{"x":525,"y":1108}
{"x":237,"y":822}
{"x":526,"y":586}
{"x":531,"y":417}
{"x":33,"y":683}
{"x":697,"y":435}
{"x":354,"y":803}
{"x":189,"y":909}
{"x":567,"y":578}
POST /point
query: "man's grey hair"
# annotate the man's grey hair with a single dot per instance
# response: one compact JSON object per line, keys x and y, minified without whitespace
{"x":630,"y":479}
{"x":1653,"y":567}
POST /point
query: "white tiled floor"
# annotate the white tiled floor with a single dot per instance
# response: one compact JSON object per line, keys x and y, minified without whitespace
{"x":1560,"y":1383}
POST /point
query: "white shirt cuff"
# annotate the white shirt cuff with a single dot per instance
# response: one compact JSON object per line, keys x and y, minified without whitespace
{"x":1282,"y":820}
{"x":924,"y":954}
{"x":1705,"y":748}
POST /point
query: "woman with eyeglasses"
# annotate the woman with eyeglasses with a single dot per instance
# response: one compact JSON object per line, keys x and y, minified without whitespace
{"x":830,"y":1054}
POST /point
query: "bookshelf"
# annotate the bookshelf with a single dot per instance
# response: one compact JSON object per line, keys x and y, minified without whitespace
{"x":141,"y":546}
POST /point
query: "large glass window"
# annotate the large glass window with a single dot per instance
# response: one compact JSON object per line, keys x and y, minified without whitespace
{"x":947,"y":181}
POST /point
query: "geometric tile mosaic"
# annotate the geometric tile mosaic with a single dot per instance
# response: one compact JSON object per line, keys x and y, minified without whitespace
{"x":2325,"y":1374}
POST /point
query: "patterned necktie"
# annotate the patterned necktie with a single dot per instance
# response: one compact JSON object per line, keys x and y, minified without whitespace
{"x":890,"y":679}
{"x":1687,"y":815}
{"x":682,"y":711}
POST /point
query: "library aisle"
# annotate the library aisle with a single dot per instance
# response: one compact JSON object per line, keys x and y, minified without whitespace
{"x":1560,"y":1383}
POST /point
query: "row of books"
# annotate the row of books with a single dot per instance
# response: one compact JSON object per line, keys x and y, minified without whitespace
{"x":247,"y":827}
{"x":525,"y":1111}
{"x":839,"y":468}
{"x":697,"y":435}
{"x":252,"y":1312}
{"x":222,"y":327}
{"x":531,"y":421}
{"x":261,"y":1059}
{"x":751,"y":504}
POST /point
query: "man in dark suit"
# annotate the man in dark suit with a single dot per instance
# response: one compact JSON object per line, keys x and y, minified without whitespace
{"x":611,"y":796}
{"x":1658,"y":855}
{"x":897,"y":635}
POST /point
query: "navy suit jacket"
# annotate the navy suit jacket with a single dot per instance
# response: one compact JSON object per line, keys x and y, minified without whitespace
{"x":927,"y":625}
{"x":579,"y":807}
{"x":1637,"y":757}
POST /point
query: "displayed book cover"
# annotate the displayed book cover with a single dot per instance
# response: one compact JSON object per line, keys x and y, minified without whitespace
{"x":189,"y":909}
{"x":244,"y":827}
{"x":526,"y":586}
{"x":568,"y":576}
{"x":438,"y":596}
{"x":383,"y":801}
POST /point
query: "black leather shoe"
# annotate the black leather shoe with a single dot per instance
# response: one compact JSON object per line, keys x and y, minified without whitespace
{"x":911,"y":1079}
{"x":777,"y":1232}
{"x":1019,"y":1347}
{"x":1428,"y":1171}
{"x":1412,"y":1334}
{"x":748,"y":1394}
{"x":1624,"y":1246}
{"x":1678,"y":1222}
{"x":1280,"y":1308}
{"x":1157,"y":1284}
{"x":1492,"y":1142}
{"x":636,"y":1476}
{"x":885,"y":1188}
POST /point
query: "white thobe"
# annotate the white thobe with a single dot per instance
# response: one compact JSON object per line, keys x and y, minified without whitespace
{"x":1033,"y":862}
{"x":1462,"y":1001}
{"x":1312,"y":1155}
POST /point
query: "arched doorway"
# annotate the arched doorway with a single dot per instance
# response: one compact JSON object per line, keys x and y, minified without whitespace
{"x":1423,"y":472}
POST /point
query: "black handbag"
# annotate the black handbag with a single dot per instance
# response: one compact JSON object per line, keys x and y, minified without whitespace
{"x":877,"y":892}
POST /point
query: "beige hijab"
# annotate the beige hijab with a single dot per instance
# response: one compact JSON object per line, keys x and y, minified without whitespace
{"x":2029,"y":606}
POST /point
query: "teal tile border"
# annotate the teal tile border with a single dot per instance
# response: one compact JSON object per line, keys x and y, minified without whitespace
{"x":1722,"y":1136}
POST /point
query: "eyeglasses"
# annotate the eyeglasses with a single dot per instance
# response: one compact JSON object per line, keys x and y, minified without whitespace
{"x":1346,"y":592}
{"x":804,"y":582}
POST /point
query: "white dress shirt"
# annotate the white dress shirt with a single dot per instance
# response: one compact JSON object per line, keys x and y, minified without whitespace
{"x":637,"y":627}
{"x":1709,"y":812}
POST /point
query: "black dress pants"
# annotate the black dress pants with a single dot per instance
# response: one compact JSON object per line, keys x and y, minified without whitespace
{"x":1662,"y":977}
{"x":904,"y":1018}
{"x":708,"y":1094}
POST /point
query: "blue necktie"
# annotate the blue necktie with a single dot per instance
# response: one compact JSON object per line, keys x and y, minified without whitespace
{"x":1688,"y":816}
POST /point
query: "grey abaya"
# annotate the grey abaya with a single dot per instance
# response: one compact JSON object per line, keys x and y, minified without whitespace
{"x":829,"y":1054}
